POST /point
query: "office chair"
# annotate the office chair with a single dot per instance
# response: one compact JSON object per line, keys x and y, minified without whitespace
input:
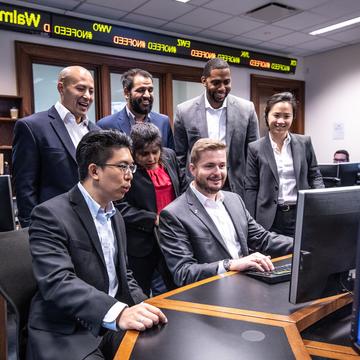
{"x":17,"y":283}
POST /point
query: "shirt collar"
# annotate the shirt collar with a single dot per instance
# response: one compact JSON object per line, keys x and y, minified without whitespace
{"x":95,"y":209}
{"x":286,"y":142}
{"x":208,"y":106}
{"x":204,"y":199}
{"x":132,"y":116}
{"x":67,"y":116}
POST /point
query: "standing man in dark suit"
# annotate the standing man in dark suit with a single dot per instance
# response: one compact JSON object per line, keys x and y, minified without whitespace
{"x":138,"y":90}
{"x":44,"y":143}
{"x":207,"y":231}
{"x":218,"y":115}
{"x":78,"y":245}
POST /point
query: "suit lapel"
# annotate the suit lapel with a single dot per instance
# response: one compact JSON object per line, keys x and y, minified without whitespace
{"x":296,"y":151}
{"x":200,"y":117}
{"x":230,"y":122}
{"x":83,"y":212}
{"x":124,"y":121}
{"x":232,"y":208}
{"x":198,"y":210}
{"x":60,"y":130}
{"x":171,"y":171}
{"x":269,"y":153}
{"x":121,"y":265}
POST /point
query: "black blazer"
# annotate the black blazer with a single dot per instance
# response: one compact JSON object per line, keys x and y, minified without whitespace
{"x":66,"y":314}
{"x":138,"y":207}
{"x":262,"y":180}
{"x":44,"y":163}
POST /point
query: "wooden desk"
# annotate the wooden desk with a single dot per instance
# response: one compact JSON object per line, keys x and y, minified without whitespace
{"x":232,"y":296}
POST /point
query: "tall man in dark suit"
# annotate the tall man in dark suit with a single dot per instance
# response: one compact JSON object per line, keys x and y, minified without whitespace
{"x":78,"y":245}
{"x":207,"y":231}
{"x":218,"y":115}
{"x":44,"y":143}
{"x":138,"y":90}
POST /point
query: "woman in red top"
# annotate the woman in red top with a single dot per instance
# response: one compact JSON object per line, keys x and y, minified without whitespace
{"x":156,"y":183}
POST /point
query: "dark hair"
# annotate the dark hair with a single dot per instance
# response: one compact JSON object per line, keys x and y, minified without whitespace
{"x":280,"y":97}
{"x":202,"y":145}
{"x":127,"y":78}
{"x":96,"y":147}
{"x":143,"y":135}
{"x":344,"y":152}
{"x":216,"y":63}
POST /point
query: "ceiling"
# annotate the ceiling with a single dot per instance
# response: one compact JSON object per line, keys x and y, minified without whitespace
{"x":227,"y":21}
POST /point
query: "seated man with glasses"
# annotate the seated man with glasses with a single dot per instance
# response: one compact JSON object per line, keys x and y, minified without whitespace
{"x":86,"y":293}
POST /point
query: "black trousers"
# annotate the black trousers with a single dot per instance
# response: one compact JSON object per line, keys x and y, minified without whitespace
{"x":108,"y":346}
{"x":284,"y":222}
{"x":144,"y":267}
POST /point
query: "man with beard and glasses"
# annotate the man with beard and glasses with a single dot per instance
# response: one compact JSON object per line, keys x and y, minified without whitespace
{"x":207,"y":231}
{"x":44,"y":145}
{"x":218,"y":115}
{"x":138,"y":90}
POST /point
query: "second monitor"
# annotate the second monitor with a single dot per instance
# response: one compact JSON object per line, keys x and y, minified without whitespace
{"x":325,"y":242}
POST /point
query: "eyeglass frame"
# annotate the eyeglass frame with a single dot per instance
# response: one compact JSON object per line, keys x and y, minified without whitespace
{"x":125,"y":168}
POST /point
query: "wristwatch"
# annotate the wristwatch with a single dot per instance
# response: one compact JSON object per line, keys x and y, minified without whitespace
{"x":226,"y":264}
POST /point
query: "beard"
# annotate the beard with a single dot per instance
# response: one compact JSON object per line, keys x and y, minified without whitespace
{"x":139,"y":108}
{"x":205,"y":186}
{"x":217,"y":98}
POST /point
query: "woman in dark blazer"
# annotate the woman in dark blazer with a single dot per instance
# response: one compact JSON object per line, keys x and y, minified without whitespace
{"x":278,"y":165}
{"x":157,"y":181}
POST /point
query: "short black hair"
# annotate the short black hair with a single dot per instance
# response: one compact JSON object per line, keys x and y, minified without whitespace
{"x":344,"y":152}
{"x":280,"y":97}
{"x":144,"y":134}
{"x":127,"y":78}
{"x":96,"y":147}
{"x":215,"y":63}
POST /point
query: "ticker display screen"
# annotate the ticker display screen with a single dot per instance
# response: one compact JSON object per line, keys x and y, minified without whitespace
{"x":70,"y":28}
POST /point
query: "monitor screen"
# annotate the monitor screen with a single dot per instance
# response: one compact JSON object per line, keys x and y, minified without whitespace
{"x":7,"y":221}
{"x":330,"y":174}
{"x":355,"y":320}
{"x":325,"y":240}
{"x":349,"y":174}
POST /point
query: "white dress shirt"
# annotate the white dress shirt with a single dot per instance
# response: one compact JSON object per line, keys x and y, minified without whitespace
{"x":102,"y":220}
{"x":222,"y":221}
{"x":75,"y":130}
{"x":216,"y":121}
{"x":285,"y":169}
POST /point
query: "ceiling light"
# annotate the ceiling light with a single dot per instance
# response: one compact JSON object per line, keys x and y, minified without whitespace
{"x":183,"y":1}
{"x":336,"y":26}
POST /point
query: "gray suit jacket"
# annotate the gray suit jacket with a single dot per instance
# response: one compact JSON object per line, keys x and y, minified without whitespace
{"x":262,"y":180}
{"x":193,"y":246}
{"x":241,"y":128}
{"x":65,"y":320}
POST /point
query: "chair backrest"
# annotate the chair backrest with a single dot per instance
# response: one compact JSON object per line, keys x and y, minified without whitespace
{"x":17,"y":283}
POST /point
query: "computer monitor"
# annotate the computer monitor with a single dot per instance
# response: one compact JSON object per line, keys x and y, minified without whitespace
{"x":7,"y":221}
{"x":355,"y":320}
{"x":325,"y":240}
{"x":349,"y":174}
{"x":330,"y":174}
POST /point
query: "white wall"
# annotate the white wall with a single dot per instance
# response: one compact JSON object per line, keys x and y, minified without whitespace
{"x":240,"y":76}
{"x":333,"y":98}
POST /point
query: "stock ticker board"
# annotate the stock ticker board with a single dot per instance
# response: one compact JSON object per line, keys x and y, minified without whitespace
{"x":53,"y":25}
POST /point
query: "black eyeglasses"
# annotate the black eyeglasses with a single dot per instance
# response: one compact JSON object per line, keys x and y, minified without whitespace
{"x":123,"y":167}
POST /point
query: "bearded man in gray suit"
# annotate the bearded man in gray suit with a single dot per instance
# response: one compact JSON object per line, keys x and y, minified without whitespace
{"x":207,"y":231}
{"x":218,"y":115}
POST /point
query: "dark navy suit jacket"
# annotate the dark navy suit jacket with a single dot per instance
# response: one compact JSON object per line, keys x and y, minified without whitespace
{"x":121,"y":122}
{"x":44,"y":162}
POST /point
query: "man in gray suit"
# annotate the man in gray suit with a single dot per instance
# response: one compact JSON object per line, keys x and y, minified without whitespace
{"x":218,"y":115}
{"x":207,"y":231}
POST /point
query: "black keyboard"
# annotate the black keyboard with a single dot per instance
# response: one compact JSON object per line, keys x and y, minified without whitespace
{"x":281,"y":273}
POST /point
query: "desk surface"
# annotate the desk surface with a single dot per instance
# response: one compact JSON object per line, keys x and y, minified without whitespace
{"x":196,"y":336}
{"x":225,"y":307}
